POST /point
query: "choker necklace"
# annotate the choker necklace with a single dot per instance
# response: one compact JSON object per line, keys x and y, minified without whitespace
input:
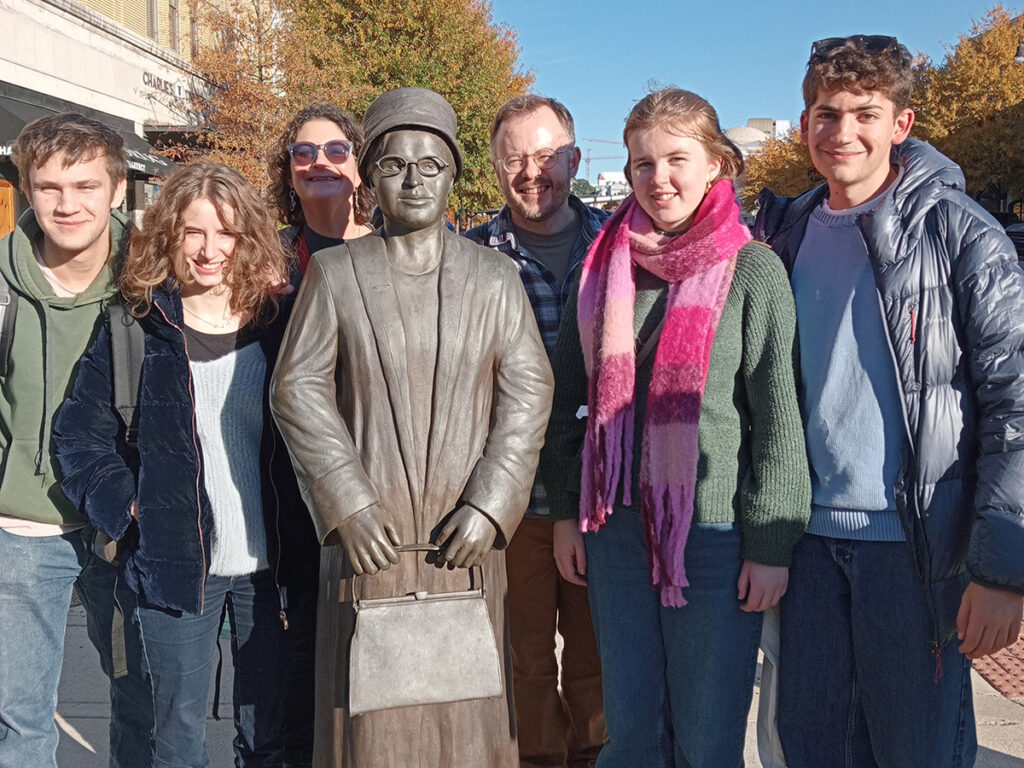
{"x":663,"y":233}
{"x":218,"y":326}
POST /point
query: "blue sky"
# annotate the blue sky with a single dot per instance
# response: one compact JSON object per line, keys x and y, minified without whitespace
{"x":747,"y":58}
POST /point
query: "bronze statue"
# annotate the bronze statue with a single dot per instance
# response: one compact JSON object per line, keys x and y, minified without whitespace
{"x":413,"y":391}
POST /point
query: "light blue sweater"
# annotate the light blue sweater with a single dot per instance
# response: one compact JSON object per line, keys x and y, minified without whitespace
{"x":851,"y":400}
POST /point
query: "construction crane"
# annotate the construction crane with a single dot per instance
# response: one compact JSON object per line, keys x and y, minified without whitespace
{"x":589,"y":157}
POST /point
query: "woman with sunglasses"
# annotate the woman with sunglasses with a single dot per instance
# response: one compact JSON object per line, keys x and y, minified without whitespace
{"x":676,"y":394}
{"x":315,"y":184}
{"x":316,"y":189}
{"x":205,"y":504}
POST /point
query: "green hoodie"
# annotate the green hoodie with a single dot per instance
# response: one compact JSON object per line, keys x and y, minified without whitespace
{"x":51,"y":335}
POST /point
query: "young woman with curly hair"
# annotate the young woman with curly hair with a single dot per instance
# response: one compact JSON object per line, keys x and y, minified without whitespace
{"x":203,"y":501}
{"x":315,"y":184}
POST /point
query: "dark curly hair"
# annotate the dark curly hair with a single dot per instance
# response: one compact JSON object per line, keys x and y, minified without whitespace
{"x":280,"y":170}
{"x":850,"y":65}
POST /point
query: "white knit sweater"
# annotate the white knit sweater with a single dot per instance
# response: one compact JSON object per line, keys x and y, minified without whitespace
{"x":229,"y":419}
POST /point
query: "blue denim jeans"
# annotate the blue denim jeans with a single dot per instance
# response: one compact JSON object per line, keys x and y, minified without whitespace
{"x":182,"y":650}
{"x":859,"y":686}
{"x":36,"y":577}
{"x":677,"y":682}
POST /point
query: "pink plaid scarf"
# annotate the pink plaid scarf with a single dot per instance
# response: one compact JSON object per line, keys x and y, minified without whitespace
{"x":699,"y":266}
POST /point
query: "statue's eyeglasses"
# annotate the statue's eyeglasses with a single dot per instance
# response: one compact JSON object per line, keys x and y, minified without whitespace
{"x":306,"y":152}
{"x":392,"y":165}
{"x":544,"y":158}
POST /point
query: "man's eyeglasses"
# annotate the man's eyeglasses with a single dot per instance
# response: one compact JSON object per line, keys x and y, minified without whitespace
{"x":544,"y":158}
{"x":306,"y":152}
{"x":392,"y":165}
{"x":873,"y":44}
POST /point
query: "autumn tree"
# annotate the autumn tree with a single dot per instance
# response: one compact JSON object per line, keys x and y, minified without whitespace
{"x":268,"y":58}
{"x":782,"y":164}
{"x":451,"y":46}
{"x":235,"y":104}
{"x":971,"y":106}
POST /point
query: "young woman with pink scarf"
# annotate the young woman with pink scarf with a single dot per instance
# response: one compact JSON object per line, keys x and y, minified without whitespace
{"x":676,"y":411}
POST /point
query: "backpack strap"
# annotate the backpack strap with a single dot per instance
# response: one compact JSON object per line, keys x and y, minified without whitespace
{"x":128,"y":347}
{"x":8,"y":313}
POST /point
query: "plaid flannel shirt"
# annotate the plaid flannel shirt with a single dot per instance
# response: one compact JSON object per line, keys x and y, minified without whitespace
{"x":546,"y":297}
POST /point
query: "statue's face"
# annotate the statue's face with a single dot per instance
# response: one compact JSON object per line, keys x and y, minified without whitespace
{"x":412,"y":199}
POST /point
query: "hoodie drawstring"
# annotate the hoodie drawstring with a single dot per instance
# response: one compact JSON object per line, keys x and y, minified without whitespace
{"x":43,"y":456}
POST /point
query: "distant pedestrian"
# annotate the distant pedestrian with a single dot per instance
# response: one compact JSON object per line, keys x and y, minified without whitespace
{"x":209,"y":516}
{"x":909,"y":300}
{"x":680,"y":386}
{"x":546,"y":232}
{"x":60,"y":268}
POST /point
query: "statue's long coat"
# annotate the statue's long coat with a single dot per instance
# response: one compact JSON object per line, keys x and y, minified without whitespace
{"x":341,"y":397}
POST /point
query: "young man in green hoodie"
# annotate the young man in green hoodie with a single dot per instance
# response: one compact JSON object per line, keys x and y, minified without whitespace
{"x":60,"y":263}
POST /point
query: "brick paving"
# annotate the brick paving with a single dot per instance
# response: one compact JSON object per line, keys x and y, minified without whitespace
{"x":1004,"y":671}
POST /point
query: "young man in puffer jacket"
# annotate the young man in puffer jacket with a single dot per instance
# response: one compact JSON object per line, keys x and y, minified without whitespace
{"x":60,"y":263}
{"x":909,"y":300}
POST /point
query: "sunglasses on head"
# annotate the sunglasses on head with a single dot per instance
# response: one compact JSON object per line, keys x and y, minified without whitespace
{"x":874,"y":44}
{"x":306,"y":152}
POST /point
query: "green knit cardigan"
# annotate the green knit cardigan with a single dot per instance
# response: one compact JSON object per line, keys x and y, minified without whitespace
{"x":752,"y":465}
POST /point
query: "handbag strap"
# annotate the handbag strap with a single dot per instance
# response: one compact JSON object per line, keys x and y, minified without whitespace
{"x":418,"y":547}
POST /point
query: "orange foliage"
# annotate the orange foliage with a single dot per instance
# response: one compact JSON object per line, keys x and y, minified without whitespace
{"x":269,"y":58}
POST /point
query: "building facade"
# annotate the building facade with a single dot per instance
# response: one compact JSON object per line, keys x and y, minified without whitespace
{"x":126,"y":63}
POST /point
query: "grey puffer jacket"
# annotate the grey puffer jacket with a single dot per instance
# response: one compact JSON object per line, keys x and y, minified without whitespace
{"x":952,"y":296}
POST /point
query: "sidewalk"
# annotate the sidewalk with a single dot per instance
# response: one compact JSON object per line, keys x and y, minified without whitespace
{"x":83,"y":713}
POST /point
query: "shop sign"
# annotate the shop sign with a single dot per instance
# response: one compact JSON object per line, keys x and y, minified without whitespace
{"x":174,"y":89}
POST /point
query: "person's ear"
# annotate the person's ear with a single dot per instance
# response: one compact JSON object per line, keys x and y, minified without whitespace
{"x":119,"y":191}
{"x":904,"y":122}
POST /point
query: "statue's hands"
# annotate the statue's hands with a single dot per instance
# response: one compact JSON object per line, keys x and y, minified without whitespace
{"x":369,"y":538}
{"x":466,"y":538}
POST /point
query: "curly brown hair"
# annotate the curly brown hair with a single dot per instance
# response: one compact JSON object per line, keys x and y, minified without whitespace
{"x":685,"y":113}
{"x":289,"y":209}
{"x":256,"y":267}
{"x":855,"y":64}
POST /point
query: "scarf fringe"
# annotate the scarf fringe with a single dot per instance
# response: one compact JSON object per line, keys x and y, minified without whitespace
{"x":666,"y":534}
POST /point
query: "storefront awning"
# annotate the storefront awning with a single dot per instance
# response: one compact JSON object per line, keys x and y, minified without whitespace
{"x":142,"y":160}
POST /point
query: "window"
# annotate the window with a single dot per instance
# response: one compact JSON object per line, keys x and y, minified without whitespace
{"x":153,"y":19}
{"x":175,"y":24}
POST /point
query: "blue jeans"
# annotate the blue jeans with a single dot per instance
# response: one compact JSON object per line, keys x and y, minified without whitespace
{"x":858,"y":683}
{"x":36,"y":577}
{"x":677,"y":681}
{"x":182,"y":650}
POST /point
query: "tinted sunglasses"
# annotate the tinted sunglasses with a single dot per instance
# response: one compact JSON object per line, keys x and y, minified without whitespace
{"x":874,"y":44}
{"x":305,"y":152}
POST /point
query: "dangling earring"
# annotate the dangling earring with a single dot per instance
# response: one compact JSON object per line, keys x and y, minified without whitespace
{"x":708,"y":186}
{"x":291,"y":200}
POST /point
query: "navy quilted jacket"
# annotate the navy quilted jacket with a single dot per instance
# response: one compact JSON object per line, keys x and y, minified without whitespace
{"x":168,"y":549}
{"x":952,"y":296}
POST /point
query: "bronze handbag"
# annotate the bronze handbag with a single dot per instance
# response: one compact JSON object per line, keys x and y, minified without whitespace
{"x":422,"y":648}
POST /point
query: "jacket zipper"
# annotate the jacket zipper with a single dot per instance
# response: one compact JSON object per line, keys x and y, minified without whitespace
{"x":199,"y":461}
{"x":283,"y":615}
{"x":909,"y":484}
